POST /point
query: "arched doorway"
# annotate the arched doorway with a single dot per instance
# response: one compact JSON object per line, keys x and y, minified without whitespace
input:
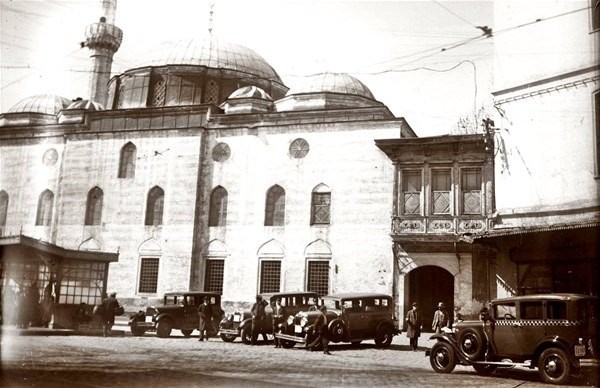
{"x":427,"y":286}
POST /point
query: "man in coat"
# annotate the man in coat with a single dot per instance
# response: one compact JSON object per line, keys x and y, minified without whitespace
{"x":440,"y":318}
{"x":277,"y":318}
{"x":258,"y":319}
{"x":109,"y":305}
{"x":413,"y":326}
{"x":322,"y":331}
{"x":204,"y":316}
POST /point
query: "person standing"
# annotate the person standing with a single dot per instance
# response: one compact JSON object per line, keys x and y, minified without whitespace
{"x":440,"y":318}
{"x":258,"y":318}
{"x":277,"y":319}
{"x":203,"y":318}
{"x":413,"y":326}
{"x":322,"y":331}
{"x":109,"y":305}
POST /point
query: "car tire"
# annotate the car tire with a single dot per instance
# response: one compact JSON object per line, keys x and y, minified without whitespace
{"x":228,"y":337}
{"x":384,"y":336}
{"x":287,"y":344}
{"x":187,"y":332}
{"x":554,"y":366}
{"x":471,"y":344}
{"x":137,"y":332}
{"x":337,"y":331}
{"x":246,"y":334}
{"x":163,"y":328}
{"x":484,"y":369}
{"x":442,"y":358}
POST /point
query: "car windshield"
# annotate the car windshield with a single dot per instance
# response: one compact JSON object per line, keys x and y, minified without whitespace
{"x":173,"y":300}
{"x":331,"y":304}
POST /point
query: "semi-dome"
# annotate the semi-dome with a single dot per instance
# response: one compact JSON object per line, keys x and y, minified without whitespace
{"x":49,"y":104}
{"x":248,"y":99}
{"x":333,"y":83}
{"x":214,"y":53}
{"x":88,"y":105}
{"x":250,"y":92}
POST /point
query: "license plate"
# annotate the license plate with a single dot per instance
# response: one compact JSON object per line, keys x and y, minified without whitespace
{"x":297,"y":329}
{"x":579,"y":350}
{"x":237,"y":318}
{"x":148,"y":318}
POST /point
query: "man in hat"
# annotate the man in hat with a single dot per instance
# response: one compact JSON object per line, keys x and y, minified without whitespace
{"x":109,"y":305}
{"x":413,"y":326}
{"x":204,"y":316}
{"x":440,"y":318}
{"x":258,"y":319}
{"x":322,"y":331}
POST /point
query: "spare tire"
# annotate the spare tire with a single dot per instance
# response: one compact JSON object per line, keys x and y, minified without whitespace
{"x":471,"y":344}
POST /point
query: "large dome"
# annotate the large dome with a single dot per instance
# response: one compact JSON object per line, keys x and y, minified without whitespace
{"x":214,"y":53}
{"x":49,"y":104}
{"x":333,"y":83}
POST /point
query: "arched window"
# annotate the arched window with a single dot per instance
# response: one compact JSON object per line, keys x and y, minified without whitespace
{"x":127,"y":161}
{"x":275,"y":206}
{"x":44,"y":210}
{"x":93,"y":210}
{"x":320,"y":209}
{"x":154,"y":206}
{"x":3,"y":207}
{"x":218,"y":207}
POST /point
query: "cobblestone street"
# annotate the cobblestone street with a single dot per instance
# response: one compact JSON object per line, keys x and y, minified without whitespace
{"x":89,"y":361}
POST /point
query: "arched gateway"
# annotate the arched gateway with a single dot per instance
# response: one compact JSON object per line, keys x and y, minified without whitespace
{"x":428,"y":285}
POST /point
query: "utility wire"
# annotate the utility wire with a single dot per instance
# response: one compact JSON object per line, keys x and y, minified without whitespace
{"x":455,"y":14}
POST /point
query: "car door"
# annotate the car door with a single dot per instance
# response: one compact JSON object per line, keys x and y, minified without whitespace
{"x":357,"y":321}
{"x":190,"y":312}
{"x":505,"y":326}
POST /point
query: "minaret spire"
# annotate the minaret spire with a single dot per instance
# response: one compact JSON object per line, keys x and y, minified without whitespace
{"x":210,"y":16}
{"x":103,"y":39}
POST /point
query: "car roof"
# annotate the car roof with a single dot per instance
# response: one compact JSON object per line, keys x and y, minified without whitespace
{"x":272,"y":295}
{"x":202,"y":293}
{"x":353,"y":295}
{"x":537,"y":297}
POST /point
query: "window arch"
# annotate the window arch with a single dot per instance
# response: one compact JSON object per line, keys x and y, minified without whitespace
{"x":218,"y":207}
{"x":270,"y":257}
{"x":44,"y":210}
{"x":275,"y":206}
{"x":3,"y":207}
{"x":154,"y":206}
{"x":318,"y":263}
{"x":320,"y":207}
{"x":93,"y":210}
{"x":127,"y":161}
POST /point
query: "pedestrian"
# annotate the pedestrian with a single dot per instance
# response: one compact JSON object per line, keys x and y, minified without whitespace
{"x":440,"y":318}
{"x":322,"y":331}
{"x":110,"y":306}
{"x":204,"y":316}
{"x":277,"y":319}
{"x":48,"y":304}
{"x":22,"y":308}
{"x":413,"y":326}
{"x":258,"y":319}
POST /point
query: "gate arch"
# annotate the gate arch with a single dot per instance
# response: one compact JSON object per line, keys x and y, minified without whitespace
{"x":427,"y":285}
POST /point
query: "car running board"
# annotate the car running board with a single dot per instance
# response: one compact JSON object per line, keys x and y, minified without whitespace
{"x":506,"y":363}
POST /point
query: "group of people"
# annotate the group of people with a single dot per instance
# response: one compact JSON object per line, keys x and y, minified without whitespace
{"x":107,"y":311}
{"x":22,"y":305}
{"x":414,"y":324}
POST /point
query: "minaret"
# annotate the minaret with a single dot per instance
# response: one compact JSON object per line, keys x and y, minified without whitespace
{"x":103,"y":39}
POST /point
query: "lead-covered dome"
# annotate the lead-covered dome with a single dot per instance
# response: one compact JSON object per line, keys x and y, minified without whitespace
{"x":49,"y":104}
{"x":331,"y":83}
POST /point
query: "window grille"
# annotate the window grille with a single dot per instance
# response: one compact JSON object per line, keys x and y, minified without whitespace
{"x":218,"y":207}
{"x":159,"y":91}
{"x":154,"y":206}
{"x":275,"y":207}
{"x":3,"y":207}
{"x":148,"y":275}
{"x":93,"y":211}
{"x":127,"y":161}
{"x":82,"y":282}
{"x":440,"y":186}
{"x":411,"y":192}
{"x":221,"y":152}
{"x":471,"y":190}
{"x":320,"y":208}
{"x":44,"y":211}
{"x":213,"y":279}
{"x":270,"y":276}
{"x":299,"y":148}
{"x":318,"y":276}
{"x":212,"y":92}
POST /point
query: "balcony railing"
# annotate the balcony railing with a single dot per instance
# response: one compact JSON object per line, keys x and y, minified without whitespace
{"x":410,"y":224}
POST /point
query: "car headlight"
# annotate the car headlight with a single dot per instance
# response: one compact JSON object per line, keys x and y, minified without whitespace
{"x":303,"y":321}
{"x":290,"y":320}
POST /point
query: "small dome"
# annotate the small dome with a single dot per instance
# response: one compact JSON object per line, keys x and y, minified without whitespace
{"x":332,"y":83}
{"x":85,"y":105}
{"x":49,"y":104}
{"x":250,"y":92}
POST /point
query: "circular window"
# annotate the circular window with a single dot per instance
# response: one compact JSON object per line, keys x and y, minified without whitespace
{"x":50,"y":157}
{"x":221,"y":152}
{"x":299,"y":148}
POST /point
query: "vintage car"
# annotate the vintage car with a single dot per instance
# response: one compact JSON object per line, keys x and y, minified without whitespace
{"x":351,"y":317}
{"x":557,"y":333}
{"x":239,"y":324}
{"x":179,"y":311}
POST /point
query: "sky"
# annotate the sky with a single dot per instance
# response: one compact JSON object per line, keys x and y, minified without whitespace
{"x":425,"y":60}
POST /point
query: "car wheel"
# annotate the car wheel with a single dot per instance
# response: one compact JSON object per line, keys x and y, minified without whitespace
{"x":246,"y":334}
{"x":554,"y":366}
{"x":471,"y":344}
{"x":384,"y":336}
{"x":483,"y":369}
{"x":442,"y":358}
{"x":228,"y":337}
{"x":136,"y":331}
{"x":337,"y":331}
{"x":287,"y":344}
{"x":187,"y":332}
{"x":163,"y":328}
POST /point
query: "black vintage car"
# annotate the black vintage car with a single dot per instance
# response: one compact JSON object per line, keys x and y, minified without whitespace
{"x":179,"y":311}
{"x":352,"y":317}
{"x":239,"y":324}
{"x":555,"y":333}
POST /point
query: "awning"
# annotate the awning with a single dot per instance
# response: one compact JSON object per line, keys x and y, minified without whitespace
{"x":502,"y":232}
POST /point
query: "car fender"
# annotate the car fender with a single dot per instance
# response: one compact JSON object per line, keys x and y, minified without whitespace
{"x":554,"y":342}
{"x":387,"y":322}
{"x":450,"y":340}
{"x":245,"y":322}
{"x":164,"y":316}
